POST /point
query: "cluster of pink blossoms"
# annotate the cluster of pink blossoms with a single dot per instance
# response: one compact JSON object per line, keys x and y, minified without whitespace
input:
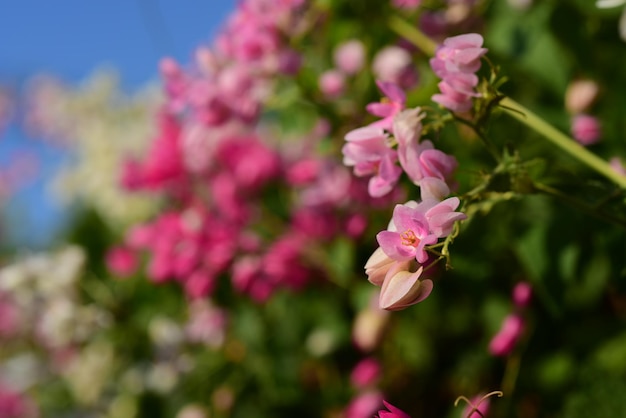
{"x":370,"y":149}
{"x":456,"y":62}
{"x":211,"y":163}
{"x":392,"y":145}
{"x":401,"y":264}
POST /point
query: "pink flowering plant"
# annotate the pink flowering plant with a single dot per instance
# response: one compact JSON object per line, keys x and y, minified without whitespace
{"x":336,"y":209}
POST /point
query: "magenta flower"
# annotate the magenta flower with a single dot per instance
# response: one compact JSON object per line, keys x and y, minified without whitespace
{"x":121,"y":261}
{"x":365,"y":373}
{"x":503,"y":343}
{"x":364,"y":404}
{"x":392,"y":412}
{"x":586,"y":129}
{"x":522,"y":294}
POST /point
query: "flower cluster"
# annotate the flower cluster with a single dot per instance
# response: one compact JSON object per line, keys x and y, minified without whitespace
{"x":456,"y":62}
{"x":400,"y":265}
{"x":369,"y":149}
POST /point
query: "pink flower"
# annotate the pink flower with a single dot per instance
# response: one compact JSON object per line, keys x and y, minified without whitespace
{"x":580,"y":95}
{"x":367,"y":150}
{"x":503,"y":343}
{"x":410,"y":238}
{"x":392,"y":412}
{"x":402,"y":288}
{"x":477,"y":408}
{"x":617,"y":166}
{"x":419,"y":159}
{"x":364,"y":405}
{"x":416,"y":226}
{"x":389,"y":108}
{"x":365,"y":373}
{"x":121,"y":261}
{"x":332,"y":83}
{"x":522,"y":294}
{"x":349,"y":56}
{"x":369,"y":326}
{"x":394,"y":64}
{"x":586,"y":129}
{"x":458,"y":54}
{"x":455,"y":62}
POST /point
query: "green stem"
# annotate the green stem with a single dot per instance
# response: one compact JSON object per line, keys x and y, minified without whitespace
{"x":411,"y":33}
{"x":562,"y":141}
{"x":519,"y":112}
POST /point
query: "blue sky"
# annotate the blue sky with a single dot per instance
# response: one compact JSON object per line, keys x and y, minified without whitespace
{"x":70,"y":39}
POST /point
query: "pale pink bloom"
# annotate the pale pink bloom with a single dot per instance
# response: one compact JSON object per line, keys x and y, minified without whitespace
{"x":402,"y":288}
{"x":392,"y":412}
{"x":332,"y":83}
{"x":433,"y":188}
{"x":477,"y":408}
{"x":458,"y":54}
{"x":121,"y":261}
{"x":419,"y":159}
{"x":452,"y":99}
{"x":580,"y":95}
{"x":364,"y":405}
{"x":207,"y":324}
{"x":387,"y":109}
{"x":377,"y":266}
{"x":503,"y":343}
{"x":349,"y":56}
{"x":617,"y":166}
{"x":586,"y":129}
{"x":394,"y":64}
{"x":365,"y":373}
{"x":522,"y":294}
{"x":455,"y":62}
{"x":367,"y":150}
{"x":369,"y":326}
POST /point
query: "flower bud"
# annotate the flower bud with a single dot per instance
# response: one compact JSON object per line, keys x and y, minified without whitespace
{"x":580,"y":95}
{"x":349,"y":57}
{"x":586,"y":129}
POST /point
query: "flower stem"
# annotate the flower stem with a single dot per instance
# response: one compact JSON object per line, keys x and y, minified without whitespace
{"x":519,"y":112}
{"x":561,"y":140}
{"x":412,"y":34}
